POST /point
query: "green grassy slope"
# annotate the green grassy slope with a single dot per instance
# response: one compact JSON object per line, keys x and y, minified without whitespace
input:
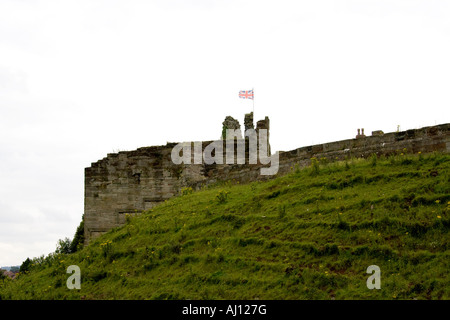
{"x":308,"y":235}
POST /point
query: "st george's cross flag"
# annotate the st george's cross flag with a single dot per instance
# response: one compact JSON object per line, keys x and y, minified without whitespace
{"x":246,"y":94}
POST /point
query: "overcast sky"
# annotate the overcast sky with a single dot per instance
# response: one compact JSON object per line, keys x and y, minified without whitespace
{"x":80,"y":79}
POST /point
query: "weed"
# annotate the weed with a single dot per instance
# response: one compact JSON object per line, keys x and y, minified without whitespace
{"x":314,"y":166}
{"x":186,"y":191}
{"x":222,"y":196}
{"x":106,"y":248}
{"x":373,"y":160}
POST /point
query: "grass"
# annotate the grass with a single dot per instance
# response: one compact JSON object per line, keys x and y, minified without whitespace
{"x":310,"y":234}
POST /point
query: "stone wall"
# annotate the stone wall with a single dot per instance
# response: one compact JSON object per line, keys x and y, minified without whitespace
{"x":126,"y":182}
{"x":130,"y":182}
{"x":427,"y":139}
{"x":134,"y":181}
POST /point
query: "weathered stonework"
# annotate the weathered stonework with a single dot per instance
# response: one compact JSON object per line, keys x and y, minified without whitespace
{"x":229,"y":123}
{"x":264,"y":124}
{"x":427,"y":139}
{"x":134,"y":181}
{"x":130,"y":182}
{"x":248,"y":121}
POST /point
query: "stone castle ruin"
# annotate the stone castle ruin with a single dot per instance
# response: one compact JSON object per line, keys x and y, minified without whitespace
{"x":134,"y":181}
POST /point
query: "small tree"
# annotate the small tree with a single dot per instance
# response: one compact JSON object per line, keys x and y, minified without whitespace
{"x":2,"y":276}
{"x":63,"y":246}
{"x":78,"y":239}
{"x":25,"y":266}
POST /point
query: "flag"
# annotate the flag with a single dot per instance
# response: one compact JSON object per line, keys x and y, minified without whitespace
{"x":246,"y":94}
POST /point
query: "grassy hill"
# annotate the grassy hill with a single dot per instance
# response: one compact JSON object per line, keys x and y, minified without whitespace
{"x":310,"y":234}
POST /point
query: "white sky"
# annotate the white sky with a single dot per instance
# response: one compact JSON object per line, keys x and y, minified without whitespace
{"x":80,"y":79}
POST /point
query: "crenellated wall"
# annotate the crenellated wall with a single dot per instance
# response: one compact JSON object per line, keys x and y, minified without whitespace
{"x":134,"y":181}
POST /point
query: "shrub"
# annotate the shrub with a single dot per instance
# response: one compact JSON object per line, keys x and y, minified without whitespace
{"x":3,"y":277}
{"x":78,"y":239}
{"x":63,"y":246}
{"x":25,"y":266}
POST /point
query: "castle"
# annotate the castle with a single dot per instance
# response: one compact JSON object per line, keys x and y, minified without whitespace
{"x":134,"y":181}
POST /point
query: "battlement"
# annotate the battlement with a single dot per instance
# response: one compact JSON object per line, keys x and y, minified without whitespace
{"x":134,"y":181}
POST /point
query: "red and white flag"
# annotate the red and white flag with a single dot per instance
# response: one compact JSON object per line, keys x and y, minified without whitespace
{"x":246,"y":94}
